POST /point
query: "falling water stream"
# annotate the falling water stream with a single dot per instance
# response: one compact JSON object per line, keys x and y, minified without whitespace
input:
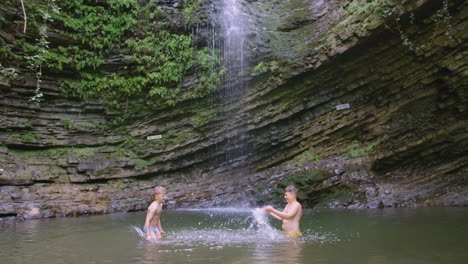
{"x":234,"y":30}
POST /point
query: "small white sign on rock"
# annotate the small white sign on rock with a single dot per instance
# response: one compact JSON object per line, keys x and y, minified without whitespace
{"x":342,"y":106}
{"x":154,"y":137}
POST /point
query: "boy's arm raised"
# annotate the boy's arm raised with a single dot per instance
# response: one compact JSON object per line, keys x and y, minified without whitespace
{"x":275,"y":216}
{"x":292,"y":212}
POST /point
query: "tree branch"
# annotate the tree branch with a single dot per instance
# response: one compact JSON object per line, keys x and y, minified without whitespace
{"x":25,"y":18}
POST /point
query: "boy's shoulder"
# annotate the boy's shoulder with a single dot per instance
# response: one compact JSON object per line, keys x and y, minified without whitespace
{"x":154,"y":205}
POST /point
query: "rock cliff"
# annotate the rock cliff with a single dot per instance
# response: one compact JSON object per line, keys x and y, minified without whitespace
{"x":358,"y":103}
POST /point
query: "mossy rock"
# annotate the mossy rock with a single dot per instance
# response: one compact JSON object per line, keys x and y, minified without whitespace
{"x":305,"y":181}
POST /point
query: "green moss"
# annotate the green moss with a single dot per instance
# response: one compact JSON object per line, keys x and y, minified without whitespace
{"x":27,"y":154}
{"x":140,"y":163}
{"x":175,"y":137}
{"x":301,"y":180}
{"x":31,"y":136}
{"x":307,"y":157}
{"x":357,"y":149}
{"x":82,"y":152}
{"x":55,"y":153}
{"x":341,"y":195}
{"x":203,"y":116}
{"x":89,"y":125}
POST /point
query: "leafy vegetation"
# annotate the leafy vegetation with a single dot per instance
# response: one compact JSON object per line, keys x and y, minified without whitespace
{"x":391,"y":11}
{"x":190,"y":11}
{"x":68,"y":124}
{"x":31,"y":136}
{"x":362,"y":16}
{"x":158,"y":58}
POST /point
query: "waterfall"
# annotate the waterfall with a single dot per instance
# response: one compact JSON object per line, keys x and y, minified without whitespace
{"x":234,"y":30}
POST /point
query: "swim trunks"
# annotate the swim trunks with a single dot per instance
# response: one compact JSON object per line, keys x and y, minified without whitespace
{"x":151,"y":228}
{"x":293,"y":234}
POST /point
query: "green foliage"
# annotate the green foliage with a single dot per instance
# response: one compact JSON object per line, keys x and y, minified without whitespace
{"x":357,"y":149}
{"x":260,"y":68}
{"x":97,"y":29}
{"x":392,"y":12}
{"x":189,"y":12}
{"x":28,"y":125}
{"x":159,"y":59}
{"x":68,"y":124}
{"x":285,"y":105}
{"x":95,"y":26}
{"x":443,"y":19}
{"x":274,"y":67}
{"x":159,"y":62}
{"x":7,"y":73}
{"x":31,"y":136}
{"x":274,"y":72}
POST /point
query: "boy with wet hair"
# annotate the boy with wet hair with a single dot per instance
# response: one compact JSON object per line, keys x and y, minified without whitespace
{"x":291,"y":214}
{"x":153,"y":230}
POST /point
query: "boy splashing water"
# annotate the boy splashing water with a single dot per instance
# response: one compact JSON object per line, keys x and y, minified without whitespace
{"x":291,"y":215}
{"x":153,"y":230}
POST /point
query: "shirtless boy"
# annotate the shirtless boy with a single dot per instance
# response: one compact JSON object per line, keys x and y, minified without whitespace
{"x":291,"y":215}
{"x":153,"y":229}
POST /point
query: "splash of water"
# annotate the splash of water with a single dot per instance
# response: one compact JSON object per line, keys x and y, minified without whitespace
{"x":218,"y":209}
{"x":263,"y":224}
{"x":138,"y":231}
{"x":255,"y":228}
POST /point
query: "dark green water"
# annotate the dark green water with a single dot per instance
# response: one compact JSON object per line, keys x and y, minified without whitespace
{"x":396,"y":236}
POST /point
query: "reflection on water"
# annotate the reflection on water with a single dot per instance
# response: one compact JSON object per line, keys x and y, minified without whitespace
{"x":151,"y":253}
{"x":281,"y":252}
{"x":437,"y":235}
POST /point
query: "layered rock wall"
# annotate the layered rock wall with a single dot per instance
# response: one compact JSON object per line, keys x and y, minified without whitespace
{"x":382,"y":120}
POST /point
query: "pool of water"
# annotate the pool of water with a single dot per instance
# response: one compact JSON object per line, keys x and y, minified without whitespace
{"x":235,"y":235}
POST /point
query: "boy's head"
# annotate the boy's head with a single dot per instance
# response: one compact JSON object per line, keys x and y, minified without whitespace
{"x":159,"y":193}
{"x":290,"y":193}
